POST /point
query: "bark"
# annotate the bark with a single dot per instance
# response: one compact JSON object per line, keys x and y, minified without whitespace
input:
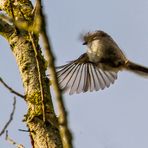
{"x":43,"y":134}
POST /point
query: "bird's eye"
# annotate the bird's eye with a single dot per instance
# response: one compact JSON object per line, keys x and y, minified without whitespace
{"x":85,"y":43}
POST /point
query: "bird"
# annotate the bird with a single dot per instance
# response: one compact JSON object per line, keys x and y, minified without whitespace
{"x":98,"y":67}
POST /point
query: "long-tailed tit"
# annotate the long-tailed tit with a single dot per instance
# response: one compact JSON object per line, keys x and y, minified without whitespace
{"x":98,"y":67}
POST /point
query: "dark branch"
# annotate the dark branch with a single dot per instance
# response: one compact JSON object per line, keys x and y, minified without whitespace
{"x":11,"y":117}
{"x":11,"y":90}
{"x":22,"y":130}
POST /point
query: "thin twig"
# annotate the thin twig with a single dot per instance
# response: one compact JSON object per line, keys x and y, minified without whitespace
{"x":10,"y":89}
{"x":40,"y":76}
{"x":24,"y":130}
{"x":66,"y":135}
{"x":10,"y":119}
{"x":12,"y":141}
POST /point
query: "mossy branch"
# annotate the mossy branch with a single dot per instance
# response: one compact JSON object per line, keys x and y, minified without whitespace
{"x":43,"y":134}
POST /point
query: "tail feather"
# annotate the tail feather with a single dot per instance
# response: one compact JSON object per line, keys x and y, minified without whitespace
{"x":136,"y":68}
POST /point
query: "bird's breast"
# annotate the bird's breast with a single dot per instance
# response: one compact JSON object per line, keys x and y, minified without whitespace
{"x":95,"y":51}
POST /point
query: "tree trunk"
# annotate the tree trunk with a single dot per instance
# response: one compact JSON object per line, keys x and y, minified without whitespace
{"x":43,"y":134}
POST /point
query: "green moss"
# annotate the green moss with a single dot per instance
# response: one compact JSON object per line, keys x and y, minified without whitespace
{"x":35,"y":98}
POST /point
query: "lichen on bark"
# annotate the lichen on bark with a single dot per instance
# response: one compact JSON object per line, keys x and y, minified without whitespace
{"x":43,"y":134}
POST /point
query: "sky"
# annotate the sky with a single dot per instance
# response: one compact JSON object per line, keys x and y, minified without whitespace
{"x":112,"y":118}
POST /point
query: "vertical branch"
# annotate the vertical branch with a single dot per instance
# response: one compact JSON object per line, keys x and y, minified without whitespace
{"x":40,"y":77}
{"x":63,"y":122}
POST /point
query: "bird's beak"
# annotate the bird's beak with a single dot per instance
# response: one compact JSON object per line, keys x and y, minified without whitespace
{"x":84,"y":43}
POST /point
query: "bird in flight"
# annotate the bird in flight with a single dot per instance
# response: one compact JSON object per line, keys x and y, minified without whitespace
{"x":98,"y":67}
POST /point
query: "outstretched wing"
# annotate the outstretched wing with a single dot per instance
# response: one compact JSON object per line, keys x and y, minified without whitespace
{"x":82,"y":76}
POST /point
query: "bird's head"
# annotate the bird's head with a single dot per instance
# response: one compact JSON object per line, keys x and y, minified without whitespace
{"x":91,"y":36}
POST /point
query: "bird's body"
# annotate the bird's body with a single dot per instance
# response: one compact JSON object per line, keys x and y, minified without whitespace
{"x":105,"y":51}
{"x":98,"y":67}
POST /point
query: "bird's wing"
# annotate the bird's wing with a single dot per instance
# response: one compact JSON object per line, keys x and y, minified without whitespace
{"x":81,"y":76}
